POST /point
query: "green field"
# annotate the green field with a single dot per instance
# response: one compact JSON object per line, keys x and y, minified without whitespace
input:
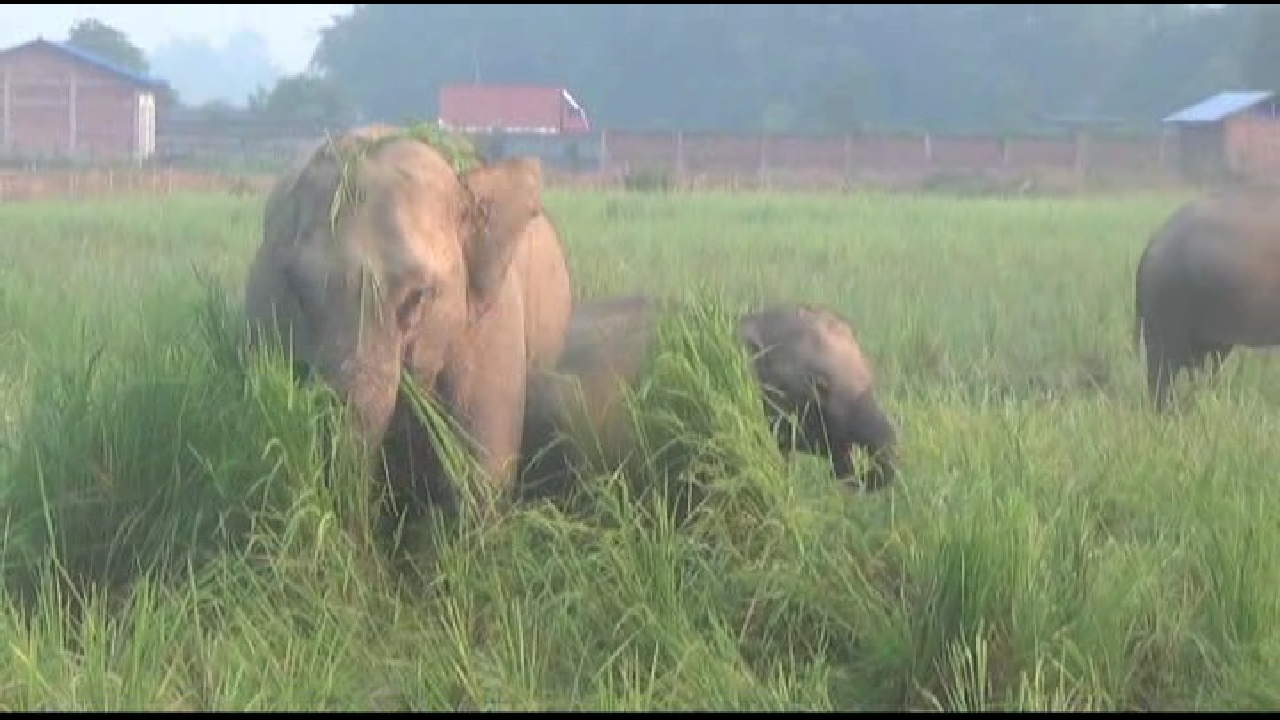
{"x":172,"y":543}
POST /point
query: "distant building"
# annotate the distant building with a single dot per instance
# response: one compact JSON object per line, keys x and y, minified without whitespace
{"x":504,"y":120}
{"x":1234,"y":133}
{"x":512,"y":110}
{"x":58,"y":101}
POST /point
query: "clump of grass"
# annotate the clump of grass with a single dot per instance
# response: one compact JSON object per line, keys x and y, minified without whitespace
{"x":692,"y":415}
{"x":158,"y":458}
{"x":457,"y":149}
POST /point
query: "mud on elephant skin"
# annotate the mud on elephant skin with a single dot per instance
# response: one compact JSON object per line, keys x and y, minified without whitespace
{"x":1208,"y":280}
{"x":806,"y":358}
{"x":379,"y":261}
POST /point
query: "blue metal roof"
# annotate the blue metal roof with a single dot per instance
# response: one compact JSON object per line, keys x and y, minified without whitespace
{"x":90,"y":59}
{"x":1219,"y":106}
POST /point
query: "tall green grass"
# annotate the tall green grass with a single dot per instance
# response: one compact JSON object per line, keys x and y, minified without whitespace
{"x":186,"y":528}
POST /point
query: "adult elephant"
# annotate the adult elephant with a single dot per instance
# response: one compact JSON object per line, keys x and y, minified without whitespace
{"x":379,"y":259}
{"x":1208,"y":280}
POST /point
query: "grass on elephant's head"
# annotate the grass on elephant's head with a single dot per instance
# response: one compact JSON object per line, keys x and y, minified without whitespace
{"x":348,"y":151}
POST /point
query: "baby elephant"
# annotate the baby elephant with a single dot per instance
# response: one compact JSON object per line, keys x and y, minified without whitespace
{"x":806,"y":359}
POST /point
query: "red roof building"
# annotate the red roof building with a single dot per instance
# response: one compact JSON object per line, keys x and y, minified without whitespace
{"x":537,"y":110}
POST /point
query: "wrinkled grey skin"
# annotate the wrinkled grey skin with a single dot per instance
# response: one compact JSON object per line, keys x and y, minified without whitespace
{"x":1208,"y":280}
{"x":805,"y":358}
{"x":456,"y":281}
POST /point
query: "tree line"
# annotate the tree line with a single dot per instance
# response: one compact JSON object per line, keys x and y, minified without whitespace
{"x":802,"y":68}
{"x":795,"y":68}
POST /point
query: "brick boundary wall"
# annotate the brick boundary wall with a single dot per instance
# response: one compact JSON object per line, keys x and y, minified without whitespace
{"x":785,"y":159}
{"x":690,"y":161}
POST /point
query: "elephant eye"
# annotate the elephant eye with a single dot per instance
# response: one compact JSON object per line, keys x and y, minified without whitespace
{"x":410,"y":305}
{"x":296,"y":287}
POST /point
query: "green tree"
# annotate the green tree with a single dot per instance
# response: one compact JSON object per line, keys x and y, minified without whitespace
{"x":95,"y":36}
{"x":1261,"y":61}
{"x":742,"y":68}
{"x":303,"y":101}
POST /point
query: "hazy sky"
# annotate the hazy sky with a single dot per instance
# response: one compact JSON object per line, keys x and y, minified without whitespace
{"x":290,"y":30}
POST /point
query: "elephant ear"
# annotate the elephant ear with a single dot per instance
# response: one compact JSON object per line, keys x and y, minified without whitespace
{"x":501,"y":200}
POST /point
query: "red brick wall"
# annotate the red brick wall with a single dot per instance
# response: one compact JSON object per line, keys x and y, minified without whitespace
{"x":1253,"y":146}
{"x":40,"y":123}
{"x":639,"y":151}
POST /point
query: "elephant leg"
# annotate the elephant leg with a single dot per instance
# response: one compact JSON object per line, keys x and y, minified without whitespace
{"x":1164,"y":362}
{"x":1217,"y":355}
{"x":1170,"y":359}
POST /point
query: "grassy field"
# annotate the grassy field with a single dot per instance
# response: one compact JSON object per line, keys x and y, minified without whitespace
{"x":171,"y":541}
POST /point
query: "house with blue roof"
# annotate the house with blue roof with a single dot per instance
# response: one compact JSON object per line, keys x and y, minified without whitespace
{"x":1233,"y":133}
{"x":59,"y":101}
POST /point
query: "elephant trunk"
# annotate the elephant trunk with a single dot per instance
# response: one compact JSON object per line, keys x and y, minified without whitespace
{"x":864,"y":424}
{"x":368,"y":382}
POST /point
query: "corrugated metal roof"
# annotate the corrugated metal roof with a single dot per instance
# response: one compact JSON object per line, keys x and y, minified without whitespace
{"x":1219,"y":106}
{"x":91,"y":59}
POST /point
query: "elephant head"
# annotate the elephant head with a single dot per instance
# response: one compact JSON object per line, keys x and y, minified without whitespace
{"x":809,"y":364}
{"x":376,"y":258}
